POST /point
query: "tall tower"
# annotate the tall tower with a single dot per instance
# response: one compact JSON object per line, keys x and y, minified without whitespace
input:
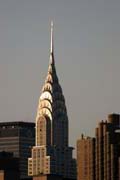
{"x":86,"y":158}
{"x":108,"y":148}
{"x":52,"y":155}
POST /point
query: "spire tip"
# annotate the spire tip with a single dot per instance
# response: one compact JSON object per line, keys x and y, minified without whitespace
{"x":52,"y":24}
{"x":51,"y":48}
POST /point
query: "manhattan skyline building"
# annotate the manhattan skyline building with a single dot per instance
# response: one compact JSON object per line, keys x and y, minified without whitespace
{"x":108,"y":148}
{"x":18,"y":138}
{"x":51,"y":153}
{"x":99,"y":158}
{"x":86,"y":158}
{"x":9,"y":166}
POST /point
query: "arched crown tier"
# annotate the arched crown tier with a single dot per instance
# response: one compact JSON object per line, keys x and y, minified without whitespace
{"x":52,"y":102}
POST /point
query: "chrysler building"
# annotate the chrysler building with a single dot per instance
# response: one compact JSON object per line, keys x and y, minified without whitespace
{"x":51,"y":153}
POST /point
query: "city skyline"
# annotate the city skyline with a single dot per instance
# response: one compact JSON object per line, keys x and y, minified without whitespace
{"x":86,"y":52}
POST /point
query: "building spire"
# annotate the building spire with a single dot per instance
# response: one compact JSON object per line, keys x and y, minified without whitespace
{"x":51,"y":46}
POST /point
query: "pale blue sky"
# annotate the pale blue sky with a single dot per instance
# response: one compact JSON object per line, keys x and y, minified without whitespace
{"x":87,"y":55}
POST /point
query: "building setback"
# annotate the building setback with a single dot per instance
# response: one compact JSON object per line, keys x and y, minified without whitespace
{"x":86,"y":158}
{"x":51,"y":154}
{"x":18,"y":138}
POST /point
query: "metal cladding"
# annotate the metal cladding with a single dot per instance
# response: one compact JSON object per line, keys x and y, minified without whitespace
{"x":52,"y":155}
{"x":52,"y":103}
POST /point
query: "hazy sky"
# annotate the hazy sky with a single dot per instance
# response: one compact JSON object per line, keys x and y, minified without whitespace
{"x":87,"y":55}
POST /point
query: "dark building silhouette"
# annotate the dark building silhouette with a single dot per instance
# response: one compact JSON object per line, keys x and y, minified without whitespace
{"x":119,"y":167}
{"x":9,"y":167}
{"x":48,"y":177}
{"x":86,"y":158}
{"x":18,"y":138}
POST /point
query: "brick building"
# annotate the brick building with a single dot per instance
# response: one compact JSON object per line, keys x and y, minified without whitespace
{"x":86,"y":158}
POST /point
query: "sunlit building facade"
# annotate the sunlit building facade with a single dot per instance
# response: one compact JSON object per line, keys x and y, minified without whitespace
{"x":86,"y":158}
{"x":108,"y":148}
{"x":99,"y":158}
{"x":51,"y":153}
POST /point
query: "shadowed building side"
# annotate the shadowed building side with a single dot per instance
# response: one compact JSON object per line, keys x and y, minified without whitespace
{"x":9,"y":166}
{"x":18,"y":138}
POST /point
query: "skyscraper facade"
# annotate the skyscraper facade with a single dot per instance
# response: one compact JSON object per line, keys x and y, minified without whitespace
{"x":108,"y":148}
{"x":86,"y":158}
{"x":99,"y":158}
{"x":18,"y":138}
{"x":51,"y":153}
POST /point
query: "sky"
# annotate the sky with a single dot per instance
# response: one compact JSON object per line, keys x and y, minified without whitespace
{"x":87,"y":57}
